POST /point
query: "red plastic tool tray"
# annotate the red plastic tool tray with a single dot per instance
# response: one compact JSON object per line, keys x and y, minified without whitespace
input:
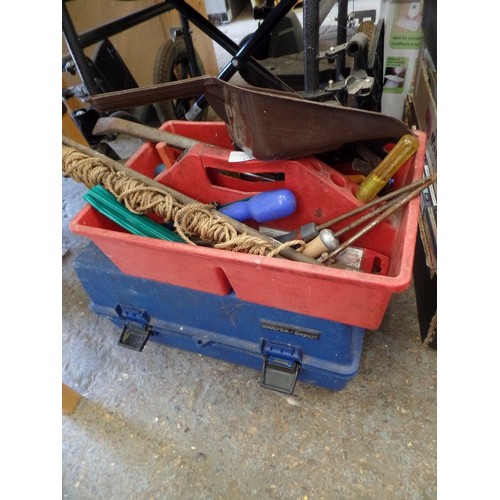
{"x":205,"y":174}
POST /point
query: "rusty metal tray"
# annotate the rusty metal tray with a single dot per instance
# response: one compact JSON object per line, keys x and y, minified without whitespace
{"x":268,"y":124}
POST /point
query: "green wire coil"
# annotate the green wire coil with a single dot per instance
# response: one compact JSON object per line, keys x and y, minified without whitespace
{"x":105,"y":203}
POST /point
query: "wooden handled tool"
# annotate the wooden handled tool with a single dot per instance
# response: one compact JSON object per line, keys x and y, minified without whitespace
{"x":105,"y":126}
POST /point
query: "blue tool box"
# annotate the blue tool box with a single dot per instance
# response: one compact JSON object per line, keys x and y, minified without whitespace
{"x":284,"y":346}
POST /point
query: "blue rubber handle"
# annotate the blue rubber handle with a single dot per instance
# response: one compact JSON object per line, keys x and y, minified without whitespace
{"x":262,"y":207}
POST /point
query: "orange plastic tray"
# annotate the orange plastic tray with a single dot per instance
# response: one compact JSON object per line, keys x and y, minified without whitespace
{"x":204,"y":173}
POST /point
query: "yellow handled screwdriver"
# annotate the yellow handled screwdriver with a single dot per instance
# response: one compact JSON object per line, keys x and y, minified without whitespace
{"x":380,"y":175}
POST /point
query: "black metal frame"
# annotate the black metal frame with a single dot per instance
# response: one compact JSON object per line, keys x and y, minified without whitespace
{"x":240,"y":55}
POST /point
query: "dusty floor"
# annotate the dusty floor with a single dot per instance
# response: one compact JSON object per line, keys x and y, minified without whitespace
{"x":166,"y":423}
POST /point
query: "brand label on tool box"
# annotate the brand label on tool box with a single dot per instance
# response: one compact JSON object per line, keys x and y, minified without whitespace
{"x":293,"y":330}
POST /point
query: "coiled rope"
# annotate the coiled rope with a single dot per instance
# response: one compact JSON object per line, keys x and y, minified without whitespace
{"x":192,"y":219}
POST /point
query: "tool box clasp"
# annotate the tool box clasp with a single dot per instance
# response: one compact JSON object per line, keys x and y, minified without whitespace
{"x":136,"y":329}
{"x":281,"y":367}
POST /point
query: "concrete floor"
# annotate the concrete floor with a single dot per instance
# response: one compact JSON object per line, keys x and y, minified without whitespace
{"x":167,"y":423}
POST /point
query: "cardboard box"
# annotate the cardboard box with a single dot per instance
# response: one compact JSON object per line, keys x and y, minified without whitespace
{"x":424,"y":101}
{"x":421,"y":112}
{"x":428,"y":221}
{"x":402,"y":42}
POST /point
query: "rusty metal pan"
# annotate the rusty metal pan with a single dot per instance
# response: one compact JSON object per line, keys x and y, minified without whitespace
{"x":268,"y":124}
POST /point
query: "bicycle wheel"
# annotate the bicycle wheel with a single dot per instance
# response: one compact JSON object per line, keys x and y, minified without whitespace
{"x":172,"y":64}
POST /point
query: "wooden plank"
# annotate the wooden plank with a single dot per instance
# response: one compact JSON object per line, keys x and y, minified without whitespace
{"x":70,"y":400}
{"x":69,"y":127}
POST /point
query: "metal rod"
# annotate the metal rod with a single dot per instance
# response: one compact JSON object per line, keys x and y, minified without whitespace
{"x":311,"y":45}
{"x":289,"y":253}
{"x":393,"y":208}
{"x":341,"y":38}
{"x":191,"y":52}
{"x":76,"y":50}
{"x":368,"y":216}
{"x":371,"y":204}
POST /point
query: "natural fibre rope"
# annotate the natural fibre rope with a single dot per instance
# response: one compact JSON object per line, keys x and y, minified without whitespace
{"x":194,"y":219}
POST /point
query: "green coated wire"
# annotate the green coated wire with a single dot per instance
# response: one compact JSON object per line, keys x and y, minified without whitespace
{"x":104,"y":202}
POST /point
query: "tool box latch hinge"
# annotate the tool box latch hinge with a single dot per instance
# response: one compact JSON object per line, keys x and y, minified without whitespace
{"x":280,"y":368}
{"x":136,"y":329}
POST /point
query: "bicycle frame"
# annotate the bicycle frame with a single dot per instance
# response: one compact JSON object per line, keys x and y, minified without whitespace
{"x":240,"y":55}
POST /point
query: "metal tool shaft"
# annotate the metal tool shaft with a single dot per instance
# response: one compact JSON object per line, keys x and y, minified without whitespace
{"x":370,"y":215}
{"x":389,"y":196}
{"x":389,"y":211}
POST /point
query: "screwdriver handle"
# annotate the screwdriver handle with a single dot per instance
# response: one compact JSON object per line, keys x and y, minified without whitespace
{"x":324,"y":242}
{"x":381,"y":174}
{"x":262,"y":207}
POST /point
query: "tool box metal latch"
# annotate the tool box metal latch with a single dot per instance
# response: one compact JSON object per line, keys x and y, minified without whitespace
{"x":136,"y":329}
{"x":281,"y":367}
